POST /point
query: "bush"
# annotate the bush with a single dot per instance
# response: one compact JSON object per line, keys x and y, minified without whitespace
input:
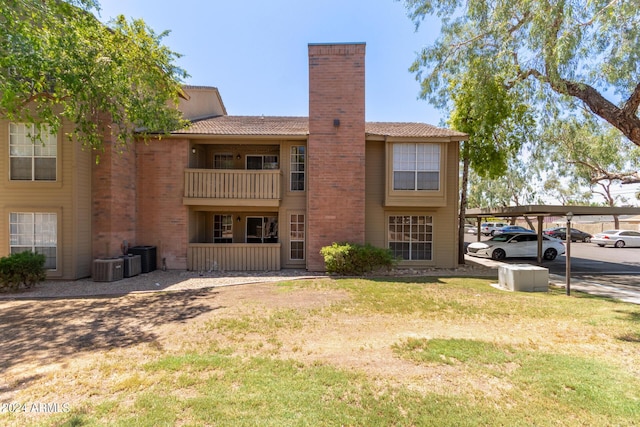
{"x":355,"y":259}
{"x":24,"y":268}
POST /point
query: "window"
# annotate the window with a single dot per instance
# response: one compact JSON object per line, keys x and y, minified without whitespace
{"x":223,"y":161}
{"x":297,"y":168}
{"x":296,"y":237}
{"x":36,"y":232}
{"x":529,"y":237}
{"x":630,"y":233}
{"x":416,"y":167}
{"x":222,"y":229}
{"x":411,"y":237}
{"x":259,"y":162}
{"x":262,"y":229}
{"x":32,"y":152}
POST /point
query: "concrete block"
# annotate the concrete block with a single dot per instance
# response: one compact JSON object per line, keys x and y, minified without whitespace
{"x":523,"y":278}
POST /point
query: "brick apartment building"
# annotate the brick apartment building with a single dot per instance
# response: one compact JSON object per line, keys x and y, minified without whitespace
{"x":241,"y":192}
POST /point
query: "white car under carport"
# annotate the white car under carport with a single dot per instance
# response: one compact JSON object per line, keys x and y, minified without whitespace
{"x":516,"y":245}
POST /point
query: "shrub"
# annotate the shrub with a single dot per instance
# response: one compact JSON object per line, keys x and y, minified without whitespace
{"x":23,"y":268}
{"x":355,"y":259}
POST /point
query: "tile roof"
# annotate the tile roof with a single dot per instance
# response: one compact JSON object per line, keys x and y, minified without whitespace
{"x":403,"y":129}
{"x":299,"y":126}
{"x":249,"y":125}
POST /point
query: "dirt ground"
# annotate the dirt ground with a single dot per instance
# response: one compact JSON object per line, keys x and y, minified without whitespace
{"x":78,"y":350}
{"x":46,"y":342}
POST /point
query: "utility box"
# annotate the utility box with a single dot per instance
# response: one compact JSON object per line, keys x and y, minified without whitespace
{"x":523,"y":278}
{"x":132,"y":265}
{"x":148,"y":257}
{"x":107,"y":270}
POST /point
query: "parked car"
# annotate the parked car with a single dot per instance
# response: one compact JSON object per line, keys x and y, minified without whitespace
{"x":507,"y":245}
{"x":617,"y":238}
{"x":561,"y":233}
{"x":470,"y":229}
{"x":513,"y":229}
{"x":490,"y":228}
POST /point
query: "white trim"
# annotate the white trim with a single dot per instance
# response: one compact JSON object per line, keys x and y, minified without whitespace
{"x":415,"y":158}
{"x":52,"y":235}
{"x":303,"y":163}
{"x":297,"y":240}
{"x":42,"y":140}
{"x":407,"y":231}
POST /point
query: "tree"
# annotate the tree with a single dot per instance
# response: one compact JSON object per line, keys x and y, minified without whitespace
{"x":598,"y":156}
{"x":561,"y":53}
{"x":565,"y":192}
{"x":514,"y":188}
{"x":58,"y":61}
{"x":496,"y":122}
{"x":593,"y":152}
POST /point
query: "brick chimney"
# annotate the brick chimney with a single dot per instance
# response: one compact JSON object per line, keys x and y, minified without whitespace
{"x":336,"y":148}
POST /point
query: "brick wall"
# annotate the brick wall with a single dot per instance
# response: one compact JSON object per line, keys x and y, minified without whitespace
{"x":113,"y":190}
{"x":162,"y":217}
{"x":336,"y":154}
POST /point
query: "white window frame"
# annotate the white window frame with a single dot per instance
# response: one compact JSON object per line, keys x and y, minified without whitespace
{"x":297,"y":232}
{"x":411,"y":231}
{"x":420,"y":160}
{"x":40,"y":230}
{"x":26,"y":141}
{"x":298,"y":166}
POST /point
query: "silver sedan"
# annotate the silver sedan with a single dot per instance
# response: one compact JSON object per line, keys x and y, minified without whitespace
{"x":617,"y":238}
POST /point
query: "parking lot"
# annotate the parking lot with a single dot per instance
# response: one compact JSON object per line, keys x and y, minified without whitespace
{"x":592,"y":265}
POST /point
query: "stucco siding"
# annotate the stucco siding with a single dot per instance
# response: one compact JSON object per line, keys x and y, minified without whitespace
{"x":444,"y":218}
{"x":293,"y":202}
{"x":445,"y":233}
{"x":68,"y":197}
{"x":374,"y":194}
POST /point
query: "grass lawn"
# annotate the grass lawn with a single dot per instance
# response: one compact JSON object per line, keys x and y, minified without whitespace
{"x":356,"y":352}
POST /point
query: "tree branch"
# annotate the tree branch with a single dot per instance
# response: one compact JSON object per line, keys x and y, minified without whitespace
{"x":36,"y":96}
{"x":599,"y":174}
{"x":631,"y":106}
{"x":592,"y":20}
{"x":624,"y":119}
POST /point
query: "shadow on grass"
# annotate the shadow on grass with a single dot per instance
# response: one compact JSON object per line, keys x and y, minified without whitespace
{"x":424,"y":280}
{"x":408,"y":279}
{"x":630,"y":337}
{"x":54,"y":329}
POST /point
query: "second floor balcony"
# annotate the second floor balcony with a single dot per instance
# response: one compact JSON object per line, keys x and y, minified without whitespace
{"x":237,"y":187}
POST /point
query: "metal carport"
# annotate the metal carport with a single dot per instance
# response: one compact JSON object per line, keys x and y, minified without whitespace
{"x":540,"y":211}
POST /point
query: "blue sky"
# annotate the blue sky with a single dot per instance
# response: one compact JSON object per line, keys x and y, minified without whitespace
{"x":255,"y":51}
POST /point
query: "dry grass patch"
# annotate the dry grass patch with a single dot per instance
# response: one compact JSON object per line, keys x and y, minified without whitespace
{"x":420,"y":351}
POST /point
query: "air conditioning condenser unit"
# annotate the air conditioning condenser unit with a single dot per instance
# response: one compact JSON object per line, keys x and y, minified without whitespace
{"x":108,"y":270}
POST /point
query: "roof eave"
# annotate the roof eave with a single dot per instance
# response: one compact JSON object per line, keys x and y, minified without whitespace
{"x":430,"y":138}
{"x":228,"y":136}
